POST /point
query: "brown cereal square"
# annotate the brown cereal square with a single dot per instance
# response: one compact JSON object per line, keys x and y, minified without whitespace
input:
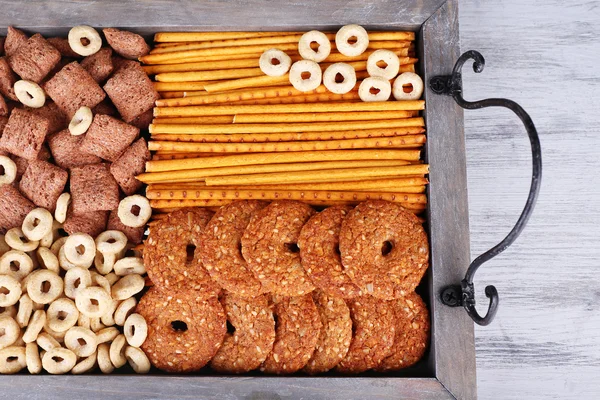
{"x":13,"y":207}
{"x":72,"y":87}
{"x":57,"y":119}
{"x":143,"y":121}
{"x":7,"y":80}
{"x":3,"y":122}
{"x":134,"y":235}
{"x":93,"y":223}
{"x":130,"y":164}
{"x":14,"y":39}
{"x":34,"y":59}
{"x":105,"y":107}
{"x":67,"y":152}
{"x":127,"y":44}
{"x":108,"y":138}
{"x":131,"y":91}
{"x":24,"y":134}
{"x":99,"y":65}
{"x":93,"y":189}
{"x":63,"y":46}
{"x":42,"y":183}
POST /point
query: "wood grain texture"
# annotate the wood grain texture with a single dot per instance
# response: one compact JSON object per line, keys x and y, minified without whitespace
{"x":545,"y":341}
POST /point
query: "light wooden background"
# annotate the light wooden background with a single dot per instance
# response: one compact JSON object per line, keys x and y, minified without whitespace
{"x":545,"y":341}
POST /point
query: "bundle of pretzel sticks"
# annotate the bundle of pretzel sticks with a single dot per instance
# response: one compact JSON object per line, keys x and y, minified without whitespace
{"x":224,"y":131}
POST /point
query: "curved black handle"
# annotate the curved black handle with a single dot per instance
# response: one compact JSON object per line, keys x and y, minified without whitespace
{"x":452,"y":85}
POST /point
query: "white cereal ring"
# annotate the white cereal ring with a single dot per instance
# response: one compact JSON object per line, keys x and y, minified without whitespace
{"x":124,"y":310}
{"x":128,"y":286}
{"x":345,"y":43}
{"x":12,"y":360}
{"x":16,"y":239}
{"x":305,"y":75}
{"x":104,"y":358}
{"x":44,"y":286}
{"x":93,"y":301}
{"x":347,"y":79}
{"x":108,"y":319}
{"x":59,"y":336}
{"x":137,"y":360}
{"x":62,"y":315}
{"x":96,"y":324}
{"x":389,"y":59}
{"x":36,"y":324}
{"x":64,"y":262}
{"x":135,"y":330}
{"x":32,"y":358}
{"x":25,"y":311}
{"x":46,"y":341}
{"x":81,"y":341}
{"x":77,"y":279}
{"x":134,"y":211}
{"x":84,"y":321}
{"x":9,"y":173}
{"x":85,"y":365}
{"x":107,"y":334}
{"x":47,"y":259}
{"x":37,"y":224}
{"x":10,"y":291}
{"x":274,"y":62}
{"x":80,"y":249}
{"x":3,"y":246}
{"x":57,"y":245}
{"x":77,"y":33}
{"x":408,"y":78}
{"x":111,"y":242}
{"x":16,"y":263}
{"x":59,"y":361}
{"x":81,"y":121}
{"x":11,"y":311}
{"x":104,"y":262}
{"x":112,"y":278}
{"x":62,"y":205}
{"x":307,"y":52}
{"x":48,"y":239}
{"x":117,"y":351}
{"x":99,"y":280}
{"x":130,"y":265}
{"x":10,"y":331}
{"x":374,"y":89}
{"x":30,"y":94}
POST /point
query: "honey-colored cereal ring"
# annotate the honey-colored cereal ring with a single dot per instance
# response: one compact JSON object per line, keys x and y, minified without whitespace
{"x":86,"y":298}
{"x":129,"y":265}
{"x":127,"y":215}
{"x":135,"y":330}
{"x":348,"y":78}
{"x":104,"y":262}
{"x":84,"y":32}
{"x":391,"y":60}
{"x":9,"y":173}
{"x":12,"y":360}
{"x":302,"y":68}
{"x":16,"y":239}
{"x":59,"y":361}
{"x":11,"y":311}
{"x":267,"y":65}
{"x":112,"y":278}
{"x":36,"y":324}
{"x":104,"y":362}
{"x":124,"y":309}
{"x":37,"y":224}
{"x":47,"y":259}
{"x":407,"y":78}
{"x":3,"y":246}
{"x":343,"y":36}
{"x":128,"y":286}
{"x":81,"y":121}
{"x":137,"y":360}
{"x":64,"y":262}
{"x":25,"y":311}
{"x":375,"y":88}
{"x":77,"y":279}
{"x":57,"y":245}
{"x":11,"y":291}
{"x":62,"y":206}
{"x":32,"y":358}
{"x":108,"y":318}
{"x":85,"y":365}
{"x":81,"y":341}
{"x":84,"y":321}
{"x":307,"y":52}
{"x":62,"y":315}
{"x":46,"y":341}
{"x":30,"y":94}
{"x":99,"y":280}
{"x":111,"y":242}
{"x":117,"y":351}
{"x":96,"y":324}
{"x":16,"y":263}
{"x":107,"y":334}
{"x":44,"y":286}
{"x":11,"y":331}
{"x":72,"y":252}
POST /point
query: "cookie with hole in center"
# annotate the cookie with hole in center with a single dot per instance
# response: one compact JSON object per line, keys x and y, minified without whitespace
{"x":185,"y":331}
{"x":384,"y":249}
{"x":269,"y":246}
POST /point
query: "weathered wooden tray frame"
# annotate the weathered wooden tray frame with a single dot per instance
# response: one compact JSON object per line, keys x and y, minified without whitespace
{"x":449,"y":370}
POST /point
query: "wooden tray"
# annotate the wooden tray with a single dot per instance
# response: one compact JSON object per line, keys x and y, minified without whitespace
{"x":448,"y":370}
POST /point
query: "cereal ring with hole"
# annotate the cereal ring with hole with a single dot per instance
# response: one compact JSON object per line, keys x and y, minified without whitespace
{"x":36,"y":324}
{"x":93,"y":301}
{"x":108,"y":318}
{"x":81,"y":121}
{"x":352,"y":40}
{"x":85,"y":365}
{"x":48,"y":239}
{"x":104,"y":262}
{"x":59,"y":361}
{"x":323,"y":46}
{"x":81,"y":341}
{"x":80,"y":249}
{"x":37,"y":224}
{"x":62,"y":205}
{"x":104,"y":362}
{"x":64,"y":262}
{"x":16,"y":264}
{"x":117,"y":351}
{"x":10,"y":330}
{"x":77,"y":279}
{"x":30,"y":94}
{"x":99,"y":280}
{"x":375,"y":88}
{"x":107,"y":334}
{"x":84,"y":321}
{"x":124,"y":310}
{"x":342,"y":72}
{"x":130,"y":265}
{"x":305,"y":75}
{"x":134,"y":211}
{"x":137,"y":360}
{"x":32,"y":358}
{"x":10,"y":291}
{"x":25,"y":311}
{"x":274,"y":62}
{"x":47,"y":259}
{"x":96,"y":324}
{"x":390,"y":61}
{"x":111,"y":242}
{"x":44,"y":286}
{"x":9,"y":170}
{"x":57,"y":245}
{"x":135,"y":330}
{"x":414,"y":83}
{"x":112,"y":278}
{"x":12,"y":360}
{"x":128,"y":286}
{"x":62,"y":315}
{"x":76,"y":36}
{"x":11,"y":311}
{"x":16,"y":239}
{"x":59,"y":336}
{"x":46,"y":341}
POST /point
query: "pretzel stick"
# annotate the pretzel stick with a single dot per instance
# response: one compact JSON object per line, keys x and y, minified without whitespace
{"x":407,"y":68}
{"x":310,"y":98}
{"x":202,"y":66}
{"x":181,"y":156}
{"x":201,"y":36}
{"x":320,"y":117}
{"x":208,"y":75}
{"x":220,"y":57}
{"x":251,"y":82}
{"x":334,"y":186}
{"x":171,"y":86}
{"x":213,"y":119}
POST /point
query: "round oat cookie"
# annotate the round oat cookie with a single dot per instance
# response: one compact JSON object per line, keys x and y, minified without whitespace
{"x":384,"y":249}
{"x":412,"y":333}
{"x":172,"y":253}
{"x":220,"y":248}
{"x":373,"y":337}
{"x":320,"y":253}
{"x":336,"y":333}
{"x":252,"y":340}
{"x":185,"y":331}
{"x":269,"y":246}
{"x":297,"y":330}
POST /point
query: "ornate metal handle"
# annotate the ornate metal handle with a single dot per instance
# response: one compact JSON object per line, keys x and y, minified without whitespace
{"x":464,"y":294}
